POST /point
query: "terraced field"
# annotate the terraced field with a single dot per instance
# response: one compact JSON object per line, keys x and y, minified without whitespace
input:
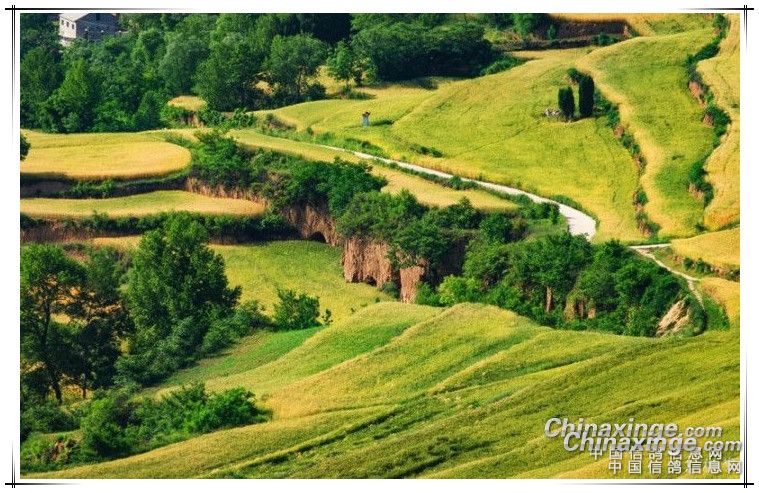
{"x":139,"y":205}
{"x":722,"y":74}
{"x":663,"y":117}
{"x":102,"y":156}
{"x":473,"y":404}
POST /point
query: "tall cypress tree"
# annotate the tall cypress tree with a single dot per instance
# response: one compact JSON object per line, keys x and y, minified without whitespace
{"x":585,"y":96}
{"x":567,"y":102}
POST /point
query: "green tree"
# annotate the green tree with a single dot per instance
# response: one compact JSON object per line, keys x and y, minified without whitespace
{"x":24,"y":147}
{"x":40,"y":76}
{"x":49,"y":279}
{"x":585,"y":95}
{"x":99,"y":322}
{"x":177,"y":286}
{"x":226,"y":79}
{"x":178,"y":66}
{"x":525,"y":24}
{"x":341,"y":64}
{"x":567,"y":102}
{"x":293,"y":61}
{"x":148,"y":114}
{"x":71,"y":107}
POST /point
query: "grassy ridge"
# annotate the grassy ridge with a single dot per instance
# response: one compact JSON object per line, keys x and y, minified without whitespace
{"x":473,"y":403}
{"x":720,"y":249}
{"x":646,"y":77}
{"x":329,"y":347}
{"x":102,"y":155}
{"x":722,"y":74}
{"x":139,"y":205}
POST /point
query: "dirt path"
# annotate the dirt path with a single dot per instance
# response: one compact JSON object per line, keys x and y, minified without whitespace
{"x":579,"y":222}
{"x":645,"y":250}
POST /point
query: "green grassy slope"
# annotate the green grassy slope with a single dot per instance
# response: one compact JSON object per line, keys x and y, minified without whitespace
{"x":463,"y":393}
{"x":305,"y":266}
{"x":329,"y":347}
{"x":492,"y":127}
{"x":646,"y":77}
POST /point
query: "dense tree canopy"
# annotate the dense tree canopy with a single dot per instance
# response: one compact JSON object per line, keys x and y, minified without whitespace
{"x":247,"y":61}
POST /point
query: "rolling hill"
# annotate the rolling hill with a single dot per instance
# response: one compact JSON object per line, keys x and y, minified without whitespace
{"x":473,"y":404}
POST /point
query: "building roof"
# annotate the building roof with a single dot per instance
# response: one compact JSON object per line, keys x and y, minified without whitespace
{"x":75,"y":16}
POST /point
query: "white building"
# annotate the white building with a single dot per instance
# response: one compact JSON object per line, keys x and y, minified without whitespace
{"x":85,"y":25}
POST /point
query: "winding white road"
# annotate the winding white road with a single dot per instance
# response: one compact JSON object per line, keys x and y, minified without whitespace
{"x":579,"y":222}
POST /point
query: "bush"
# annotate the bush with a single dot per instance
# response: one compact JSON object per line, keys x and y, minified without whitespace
{"x":426,"y":295}
{"x":46,"y":417}
{"x":104,"y":426}
{"x":223,"y":332}
{"x":118,"y":423}
{"x":504,"y":63}
{"x":456,"y":289}
{"x":295,"y":311}
{"x":231,"y":408}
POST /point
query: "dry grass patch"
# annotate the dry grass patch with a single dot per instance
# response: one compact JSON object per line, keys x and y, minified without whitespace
{"x":191,"y":103}
{"x":101,"y":156}
{"x":727,"y":293}
{"x":140,"y":205}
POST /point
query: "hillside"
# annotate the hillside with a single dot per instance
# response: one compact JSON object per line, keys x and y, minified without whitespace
{"x":722,"y":74}
{"x":483,"y":383}
{"x":339,"y":302}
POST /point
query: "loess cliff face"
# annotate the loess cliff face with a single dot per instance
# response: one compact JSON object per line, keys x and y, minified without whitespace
{"x":198,"y":186}
{"x":313,"y":223}
{"x":364,"y":259}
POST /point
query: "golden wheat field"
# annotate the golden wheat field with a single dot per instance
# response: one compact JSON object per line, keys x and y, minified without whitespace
{"x":139,"y":205}
{"x":102,"y":156}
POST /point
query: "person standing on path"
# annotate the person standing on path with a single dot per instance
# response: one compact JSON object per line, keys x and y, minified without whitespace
{"x":365,"y":117}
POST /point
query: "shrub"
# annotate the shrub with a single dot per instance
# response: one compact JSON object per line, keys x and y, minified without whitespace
{"x":504,"y":63}
{"x":231,"y":408}
{"x":455,"y":289}
{"x":426,"y":295}
{"x":391,"y":289}
{"x":104,"y":426}
{"x":223,"y":332}
{"x":295,"y":311}
{"x":45,"y":416}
